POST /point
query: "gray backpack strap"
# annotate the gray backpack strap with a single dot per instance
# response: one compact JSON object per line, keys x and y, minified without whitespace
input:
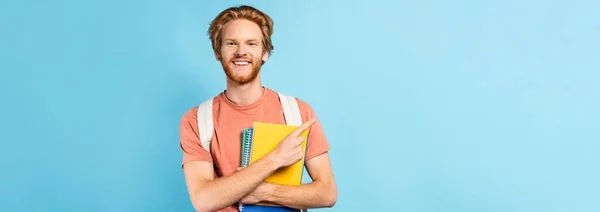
{"x":205,"y":123}
{"x":291,"y":111}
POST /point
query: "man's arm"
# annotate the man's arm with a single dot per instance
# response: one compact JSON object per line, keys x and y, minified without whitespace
{"x":210,"y":194}
{"x":320,"y":193}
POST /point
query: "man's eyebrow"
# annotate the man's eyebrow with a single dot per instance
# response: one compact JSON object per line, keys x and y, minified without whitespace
{"x":248,"y":40}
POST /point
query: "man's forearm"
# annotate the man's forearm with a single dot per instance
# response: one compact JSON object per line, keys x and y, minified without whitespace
{"x":312,"y":195}
{"x":225,"y":191}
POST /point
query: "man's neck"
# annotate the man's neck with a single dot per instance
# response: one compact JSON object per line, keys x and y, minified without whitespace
{"x":244,"y":94}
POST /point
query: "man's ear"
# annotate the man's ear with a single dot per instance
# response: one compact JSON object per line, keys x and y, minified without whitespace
{"x":265,"y":56}
{"x":217,"y":56}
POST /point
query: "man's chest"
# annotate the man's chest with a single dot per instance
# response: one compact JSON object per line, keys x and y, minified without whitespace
{"x":227,"y":139}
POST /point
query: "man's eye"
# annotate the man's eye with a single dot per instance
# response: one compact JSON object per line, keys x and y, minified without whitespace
{"x":230,"y":43}
{"x":253,"y":44}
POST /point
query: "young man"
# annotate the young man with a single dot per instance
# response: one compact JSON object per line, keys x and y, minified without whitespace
{"x":241,"y":40}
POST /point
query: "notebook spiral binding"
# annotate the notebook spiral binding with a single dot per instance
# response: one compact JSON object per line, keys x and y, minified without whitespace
{"x":246,"y":145}
{"x":245,"y":160}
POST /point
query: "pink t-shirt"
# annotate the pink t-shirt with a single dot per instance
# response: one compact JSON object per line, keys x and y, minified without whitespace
{"x":230,"y":120}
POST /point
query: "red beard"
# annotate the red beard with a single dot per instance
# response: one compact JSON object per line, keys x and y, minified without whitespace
{"x":241,"y":79}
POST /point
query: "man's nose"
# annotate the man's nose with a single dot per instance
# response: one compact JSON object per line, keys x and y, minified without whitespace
{"x":241,"y":51}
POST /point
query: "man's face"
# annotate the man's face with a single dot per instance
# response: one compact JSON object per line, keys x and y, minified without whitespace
{"x":242,"y":52}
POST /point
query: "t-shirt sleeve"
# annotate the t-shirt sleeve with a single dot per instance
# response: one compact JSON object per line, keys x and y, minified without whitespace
{"x":317,"y":141}
{"x":189,"y":139}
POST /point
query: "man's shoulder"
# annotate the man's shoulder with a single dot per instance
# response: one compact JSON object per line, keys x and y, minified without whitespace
{"x":298,"y":99}
{"x":303,"y":105}
{"x":192,"y":112}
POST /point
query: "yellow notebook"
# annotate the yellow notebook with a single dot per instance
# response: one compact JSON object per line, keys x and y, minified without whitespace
{"x":261,"y":139}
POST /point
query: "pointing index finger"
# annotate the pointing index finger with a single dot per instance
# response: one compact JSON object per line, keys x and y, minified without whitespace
{"x":303,"y":127}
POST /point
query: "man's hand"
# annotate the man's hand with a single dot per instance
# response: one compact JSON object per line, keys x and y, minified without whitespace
{"x":254,"y":196}
{"x":289,"y":150}
{"x":320,"y":193}
{"x":258,"y":195}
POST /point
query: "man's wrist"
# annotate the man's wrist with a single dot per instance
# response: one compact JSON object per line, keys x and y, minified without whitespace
{"x":272,"y":161}
{"x":266,"y":191}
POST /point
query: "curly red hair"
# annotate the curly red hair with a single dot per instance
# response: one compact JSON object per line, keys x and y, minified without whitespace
{"x":241,"y":12}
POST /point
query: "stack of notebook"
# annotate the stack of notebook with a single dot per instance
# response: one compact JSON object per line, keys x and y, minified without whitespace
{"x":258,"y":141}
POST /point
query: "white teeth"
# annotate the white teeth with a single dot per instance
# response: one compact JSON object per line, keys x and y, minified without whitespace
{"x":241,"y":63}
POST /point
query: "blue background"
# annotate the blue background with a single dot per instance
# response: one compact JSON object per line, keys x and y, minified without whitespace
{"x":438,"y":105}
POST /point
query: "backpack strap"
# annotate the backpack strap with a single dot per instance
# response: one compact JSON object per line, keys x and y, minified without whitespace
{"x":204,"y":117}
{"x":205,"y":123}
{"x":291,"y":111}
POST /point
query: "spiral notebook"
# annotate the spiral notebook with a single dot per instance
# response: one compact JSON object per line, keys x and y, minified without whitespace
{"x":258,"y":141}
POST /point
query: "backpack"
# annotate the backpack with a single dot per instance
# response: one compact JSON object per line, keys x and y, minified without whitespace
{"x":291,"y":113}
{"x":204,"y":118}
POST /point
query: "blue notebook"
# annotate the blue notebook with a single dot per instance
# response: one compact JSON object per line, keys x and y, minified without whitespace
{"x":266,"y":208}
{"x":245,"y":161}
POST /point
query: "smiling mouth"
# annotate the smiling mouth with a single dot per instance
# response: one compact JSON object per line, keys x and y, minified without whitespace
{"x":241,"y":63}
